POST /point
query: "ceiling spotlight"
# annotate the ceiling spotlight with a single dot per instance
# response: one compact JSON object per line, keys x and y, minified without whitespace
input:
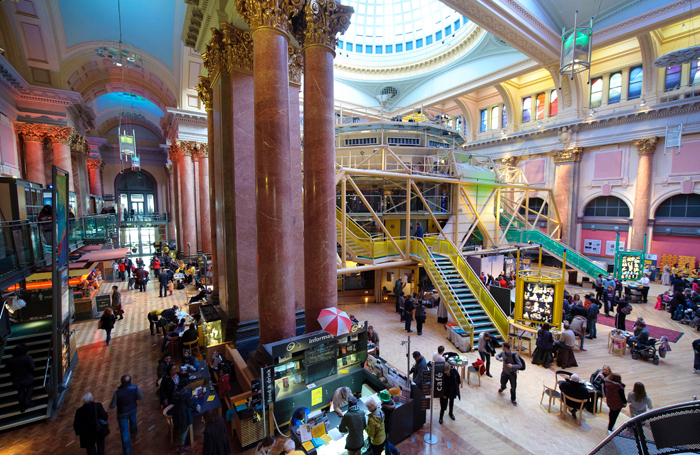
{"x":118,"y":63}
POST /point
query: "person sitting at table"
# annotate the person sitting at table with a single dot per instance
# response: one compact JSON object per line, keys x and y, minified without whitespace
{"x":290,"y":448}
{"x":564,"y":348}
{"x":189,"y":335}
{"x":299,"y":417}
{"x":340,"y":399}
{"x":265,"y":446}
{"x":170,"y":383}
{"x":183,"y":407}
{"x":640,"y":337}
{"x":573,"y":388}
{"x":223,"y":385}
{"x":188,"y":359}
{"x":174,"y":334}
{"x":353,"y":423}
{"x":164,"y":365}
{"x":544,"y":345}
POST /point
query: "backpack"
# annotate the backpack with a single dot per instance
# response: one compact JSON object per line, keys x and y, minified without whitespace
{"x":626,"y":310}
{"x":678,"y":315}
{"x":522,"y":362}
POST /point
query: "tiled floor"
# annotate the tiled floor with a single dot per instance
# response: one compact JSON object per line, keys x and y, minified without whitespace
{"x":486,"y":422}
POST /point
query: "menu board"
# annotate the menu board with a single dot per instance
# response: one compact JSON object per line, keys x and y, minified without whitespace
{"x":321,"y":361}
{"x":538,"y":301}
{"x":630,"y":267}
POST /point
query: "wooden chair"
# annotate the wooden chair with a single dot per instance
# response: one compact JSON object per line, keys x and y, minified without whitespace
{"x":618,"y":346}
{"x":193,"y":346}
{"x":528,"y":349}
{"x":552,"y":393}
{"x":169,"y":423}
{"x":471,"y":369}
{"x":563,"y":406}
{"x":515,"y":342}
{"x":173,"y":347}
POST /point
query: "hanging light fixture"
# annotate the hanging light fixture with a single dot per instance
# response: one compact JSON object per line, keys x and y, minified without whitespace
{"x":576,"y":48}
{"x":681,"y":56}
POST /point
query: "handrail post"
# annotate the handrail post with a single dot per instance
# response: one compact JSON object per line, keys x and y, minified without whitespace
{"x":343,"y":230}
{"x":408,"y":218}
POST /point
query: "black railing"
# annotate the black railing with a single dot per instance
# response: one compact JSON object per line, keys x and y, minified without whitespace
{"x":21,"y":248}
{"x":669,"y":430}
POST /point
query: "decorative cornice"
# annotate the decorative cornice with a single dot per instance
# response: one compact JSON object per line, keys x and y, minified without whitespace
{"x":277,"y":14}
{"x":95,"y":164}
{"x":169,"y":168}
{"x":191,"y":148}
{"x":323,"y":20}
{"x":202,"y":150}
{"x":510,"y":160}
{"x":31,"y":132}
{"x":230,"y":48}
{"x":646,"y":146}
{"x":296,"y":65}
{"x":60,"y":135}
{"x":205,"y":93}
{"x":79,"y":144}
{"x":570,"y":155}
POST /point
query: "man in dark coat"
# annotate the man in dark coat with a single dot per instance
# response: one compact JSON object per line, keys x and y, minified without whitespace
{"x":124,"y":399}
{"x":388,"y":408}
{"x":572,"y":388}
{"x":85,"y":426}
{"x":408,"y":313}
{"x":183,"y":407}
{"x":450,"y":390}
{"x":21,"y":368}
{"x":418,"y":368}
{"x":163,"y":279}
{"x":215,"y":438}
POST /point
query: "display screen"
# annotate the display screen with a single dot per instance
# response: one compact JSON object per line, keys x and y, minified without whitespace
{"x":631,"y":268}
{"x":320,"y":361}
{"x":538,"y":301}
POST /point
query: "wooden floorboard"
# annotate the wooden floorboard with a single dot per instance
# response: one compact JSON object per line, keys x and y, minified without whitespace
{"x":487,"y":423}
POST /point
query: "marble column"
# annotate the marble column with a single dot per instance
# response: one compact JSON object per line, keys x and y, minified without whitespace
{"x":61,"y":138}
{"x":185,"y":167}
{"x":566,"y":184}
{"x":322,"y":22}
{"x":95,"y":166}
{"x":642,"y":191}
{"x":195,"y":205}
{"x":205,"y":94}
{"x":204,"y":207}
{"x":275,"y":237}
{"x":172,"y":222}
{"x":33,"y":136}
{"x":296,"y":70}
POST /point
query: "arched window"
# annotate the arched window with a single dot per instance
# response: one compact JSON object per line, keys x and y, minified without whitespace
{"x":483,"y":125}
{"x":527,"y":107}
{"x":136,"y":191}
{"x":494,"y":117}
{"x":635,"y":90}
{"x":680,"y":206}
{"x":673,"y":77}
{"x":608,"y":206}
{"x":535,"y":203}
{"x":540,"y":106}
{"x":504,"y":117}
{"x":553,"y":103}
{"x":596,"y":92}
{"x":615,"y":88}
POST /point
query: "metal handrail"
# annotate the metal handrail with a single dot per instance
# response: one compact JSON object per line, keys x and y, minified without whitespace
{"x":48,"y":362}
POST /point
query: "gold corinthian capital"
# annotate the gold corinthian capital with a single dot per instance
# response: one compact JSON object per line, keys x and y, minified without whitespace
{"x":323,"y":20}
{"x":277,"y":14}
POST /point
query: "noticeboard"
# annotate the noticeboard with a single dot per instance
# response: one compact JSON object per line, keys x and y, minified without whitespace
{"x":538,"y":300}
{"x":321,"y":361}
{"x":102,"y":302}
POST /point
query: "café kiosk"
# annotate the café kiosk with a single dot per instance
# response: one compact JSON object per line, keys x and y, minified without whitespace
{"x":309,"y":368}
{"x":539,"y":298}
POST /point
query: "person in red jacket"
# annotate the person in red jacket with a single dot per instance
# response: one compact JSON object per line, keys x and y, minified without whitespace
{"x":156,"y":267}
{"x":122,"y":270}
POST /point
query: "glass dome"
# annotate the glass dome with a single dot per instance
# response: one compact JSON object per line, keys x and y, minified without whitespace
{"x":404,"y":27}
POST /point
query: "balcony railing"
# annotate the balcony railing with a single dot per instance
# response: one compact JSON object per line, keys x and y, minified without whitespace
{"x":21,"y":250}
{"x":144,"y":217}
{"x":92,"y":227}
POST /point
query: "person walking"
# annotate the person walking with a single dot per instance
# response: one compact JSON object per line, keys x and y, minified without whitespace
{"x":593,"y":311}
{"x":156,"y":267}
{"x":420,"y":317}
{"x":639,"y":400}
{"x":117,"y":302}
{"x":388,"y":408}
{"x":90,"y":423}
{"x":599,"y":286}
{"x":21,"y":368}
{"x":511,"y":364}
{"x":163,"y":279}
{"x":182,"y":408}
{"x":376,"y":430}
{"x":614,"y":398}
{"x":408,"y":313}
{"x":215,"y":438}
{"x":107,"y":323}
{"x":353,"y":424}
{"x":419,"y":231}
{"x":646,"y":283}
{"x":486,"y":351}
{"x":623,"y":309}
{"x":398,"y":292}
{"x":450,"y":391}
{"x":122,"y":270}
{"x":124,"y":399}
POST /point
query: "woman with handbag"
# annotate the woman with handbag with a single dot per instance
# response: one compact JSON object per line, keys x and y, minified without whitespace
{"x":623,"y":310}
{"x":117,"y":302}
{"x":90,"y":424}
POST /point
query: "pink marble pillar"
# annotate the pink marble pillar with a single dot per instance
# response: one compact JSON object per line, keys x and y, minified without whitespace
{"x":195,"y":205}
{"x":211,"y":191}
{"x":95,"y":166}
{"x":642,"y":191}
{"x":204,"y":208}
{"x":319,"y":184}
{"x":172,"y":222}
{"x":187,"y":198}
{"x":61,"y":138}
{"x":275,"y":236}
{"x":297,"y":194}
{"x":33,"y":135}
{"x":566,"y":177}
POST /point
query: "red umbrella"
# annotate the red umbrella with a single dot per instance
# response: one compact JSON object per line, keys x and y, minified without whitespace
{"x":334,"y":321}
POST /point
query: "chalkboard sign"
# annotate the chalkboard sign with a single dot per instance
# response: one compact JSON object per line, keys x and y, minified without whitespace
{"x":321,"y":361}
{"x":102,"y":302}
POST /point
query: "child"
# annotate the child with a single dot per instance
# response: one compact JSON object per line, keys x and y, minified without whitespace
{"x":171,"y":286}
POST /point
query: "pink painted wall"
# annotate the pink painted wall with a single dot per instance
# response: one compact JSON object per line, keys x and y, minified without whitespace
{"x":673,"y":244}
{"x":608,"y":165}
{"x":688,"y":161}
{"x":603,"y":236}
